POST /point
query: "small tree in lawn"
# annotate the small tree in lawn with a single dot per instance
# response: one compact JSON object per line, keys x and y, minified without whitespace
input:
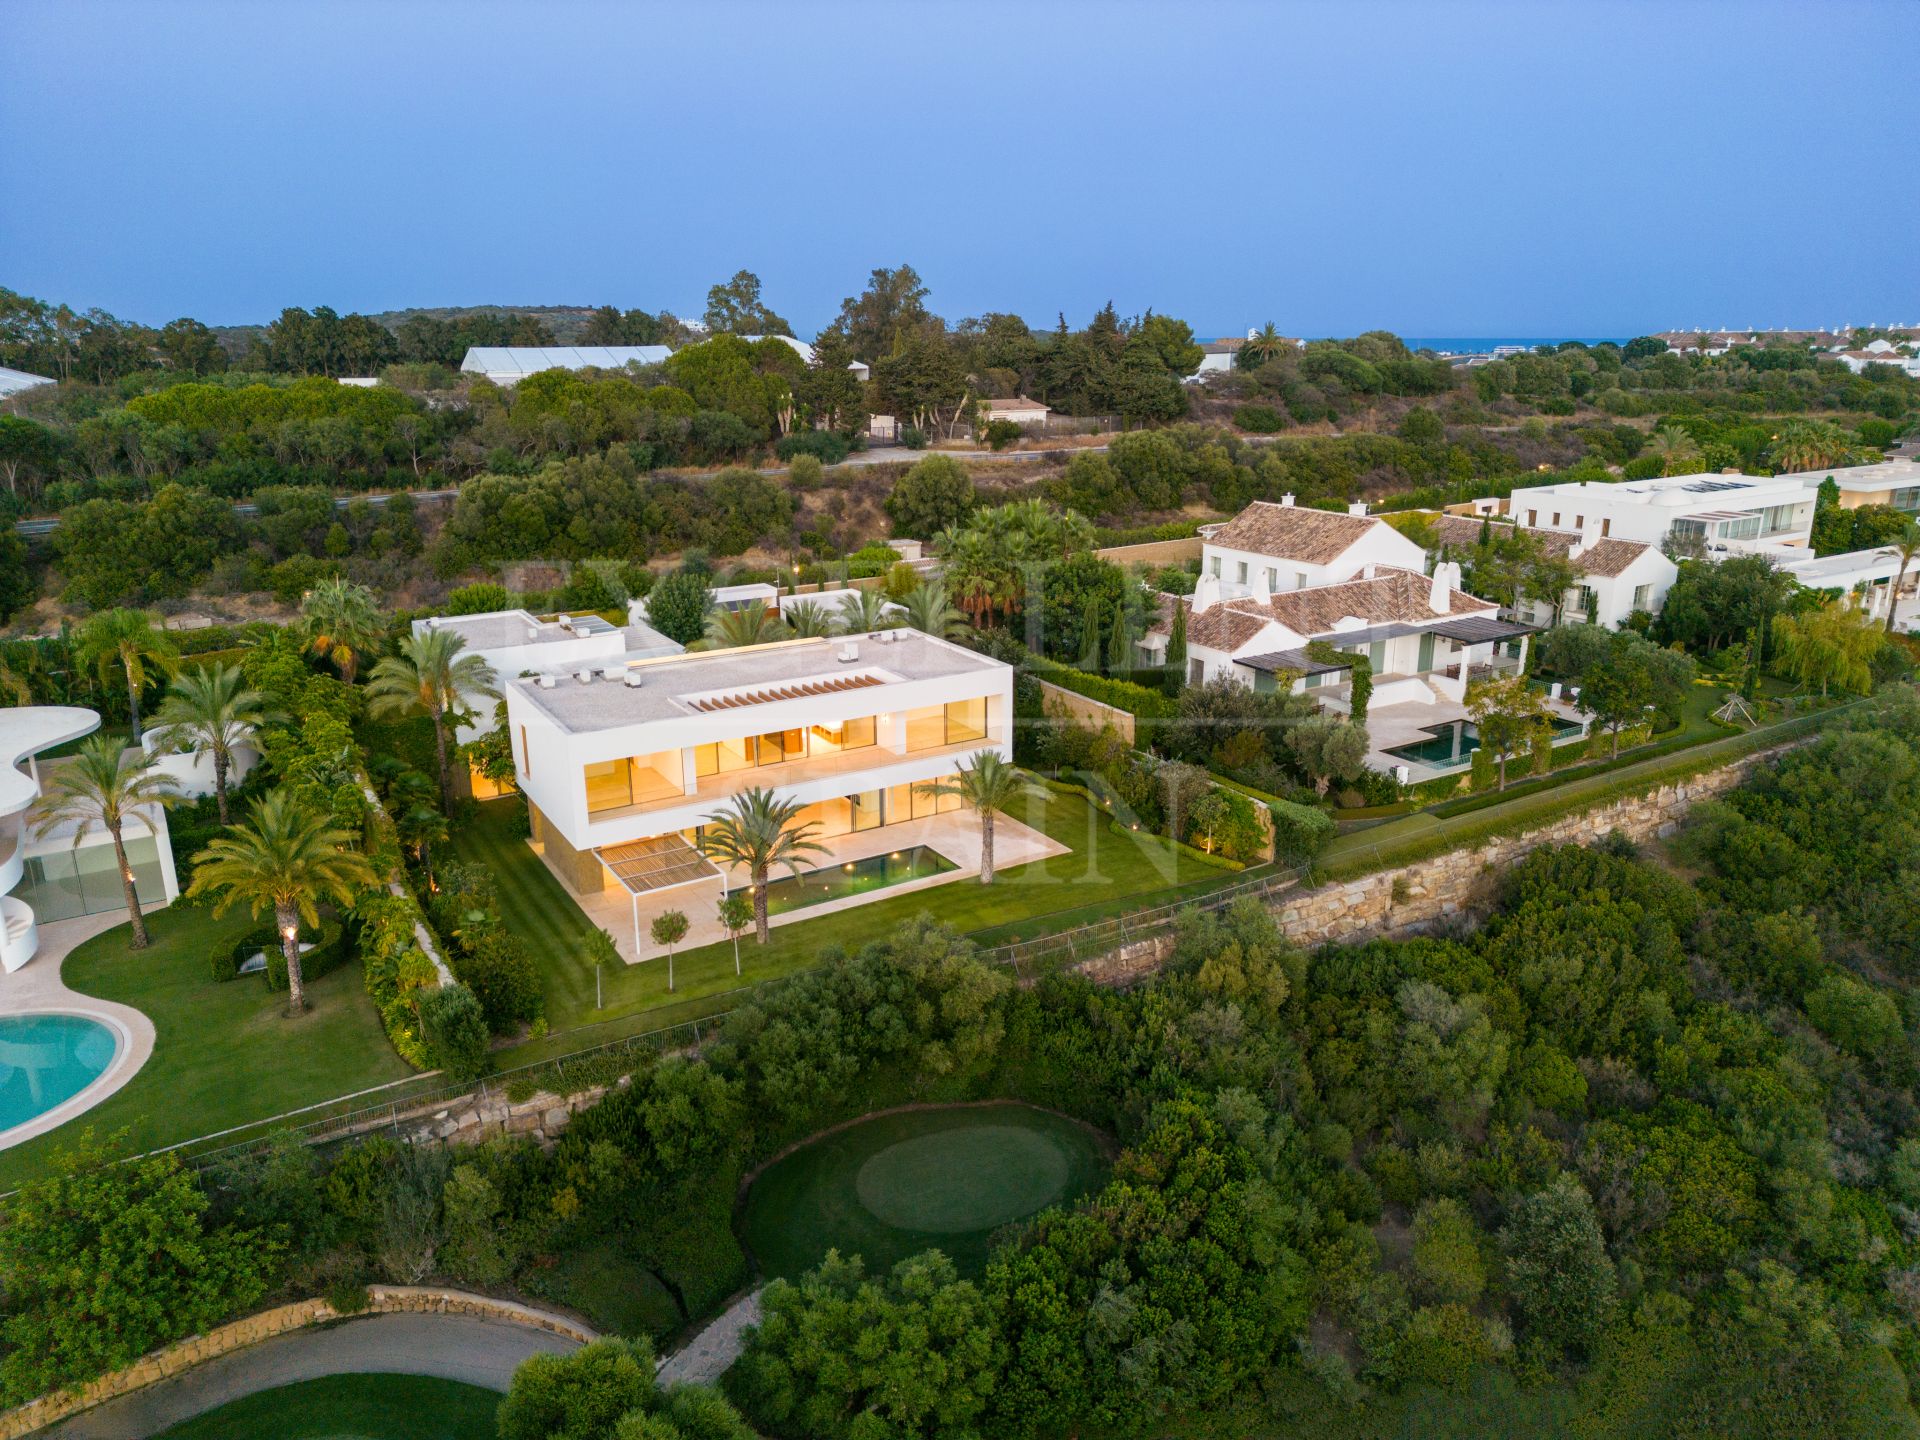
{"x":758,"y":831}
{"x":601,"y":949}
{"x":1505,"y":713}
{"x":986,"y":785}
{"x":1328,"y":749}
{"x":669,"y":929}
{"x":1176,"y":675}
{"x":736,"y":914}
{"x":107,"y":786}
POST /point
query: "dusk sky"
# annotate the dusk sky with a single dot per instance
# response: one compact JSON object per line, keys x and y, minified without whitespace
{"x":1458,"y":169}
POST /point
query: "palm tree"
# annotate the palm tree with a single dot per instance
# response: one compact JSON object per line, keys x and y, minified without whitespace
{"x":749,"y":625}
{"x":863,"y":611}
{"x":1906,"y":545}
{"x":809,"y":620}
{"x":1811,"y":445}
{"x":757,"y":832}
{"x":211,"y":709}
{"x":1261,"y":346}
{"x":129,"y":639}
{"x":1676,"y":450}
{"x":287,"y":860}
{"x":986,"y":785}
{"x":931,"y":613}
{"x":343,"y":623}
{"x":431,"y":677}
{"x":105,"y":784}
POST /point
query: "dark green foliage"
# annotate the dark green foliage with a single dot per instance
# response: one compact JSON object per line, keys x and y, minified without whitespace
{"x":677,"y":606}
{"x":455,"y":1029}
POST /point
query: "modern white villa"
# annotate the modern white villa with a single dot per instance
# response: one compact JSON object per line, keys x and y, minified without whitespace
{"x":1728,"y":513}
{"x":622,"y":764}
{"x":1887,"y":482}
{"x":1617,"y":577}
{"x":69,"y":871}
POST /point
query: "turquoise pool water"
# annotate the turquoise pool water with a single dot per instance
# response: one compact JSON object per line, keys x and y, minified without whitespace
{"x":855,"y":877}
{"x":45,"y":1059}
{"x":1442,"y":751}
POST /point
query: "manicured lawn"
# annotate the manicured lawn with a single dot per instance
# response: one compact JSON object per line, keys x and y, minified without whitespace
{"x":352,"y":1407}
{"x":223,"y":1054}
{"x":1103,"y":872}
{"x":894,"y":1185}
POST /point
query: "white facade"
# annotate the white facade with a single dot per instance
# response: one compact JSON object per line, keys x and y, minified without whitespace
{"x":1887,"y":482}
{"x":66,"y":871}
{"x":510,"y":364}
{"x":1271,"y":548}
{"x":13,"y":382}
{"x":1729,"y":513}
{"x":1020,"y":410}
{"x":1609,"y":598}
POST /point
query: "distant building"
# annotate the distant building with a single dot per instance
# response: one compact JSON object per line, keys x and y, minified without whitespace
{"x":1271,"y":548}
{"x":510,"y":364}
{"x":1020,"y":410}
{"x":1726,"y":512}
{"x":1887,"y":482}
{"x":12,"y":382}
{"x":1617,"y":577}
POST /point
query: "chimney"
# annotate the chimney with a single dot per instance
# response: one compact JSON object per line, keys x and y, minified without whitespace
{"x":1206,"y":595}
{"x":1446,"y":576}
{"x":1260,"y":591}
{"x":1357,"y":507}
{"x":1287,"y":499}
{"x":1366,"y":571}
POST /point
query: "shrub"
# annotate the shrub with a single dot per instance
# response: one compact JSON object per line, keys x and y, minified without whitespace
{"x":476,"y":599}
{"x":999,"y":434}
{"x":455,"y":1030}
{"x":827,"y":446}
{"x":502,"y":976}
{"x":224,"y":963}
{"x":1259,"y":419}
{"x":329,"y":952}
{"x":1300,"y":832}
{"x":805,"y":472}
{"x":913,"y":437}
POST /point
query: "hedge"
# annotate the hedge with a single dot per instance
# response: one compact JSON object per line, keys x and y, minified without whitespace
{"x":1146,"y":706}
{"x":329,"y":952}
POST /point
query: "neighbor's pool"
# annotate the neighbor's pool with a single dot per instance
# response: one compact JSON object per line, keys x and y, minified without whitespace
{"x":45,"y":1059}
{"x":1446,"y":748}
{"x":856,"y":877}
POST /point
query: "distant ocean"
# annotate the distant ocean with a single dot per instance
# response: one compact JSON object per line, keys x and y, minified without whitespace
{"x":1479,"y":345}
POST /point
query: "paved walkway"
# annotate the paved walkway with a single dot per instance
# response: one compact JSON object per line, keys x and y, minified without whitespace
{"x":37,"y":988}
{"x":451,"y":1347}
{"x":705,"y":1358}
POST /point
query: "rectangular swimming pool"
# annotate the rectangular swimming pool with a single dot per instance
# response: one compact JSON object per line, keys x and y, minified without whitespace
{"x":1446,"y":749}
{"x":855,"y":877}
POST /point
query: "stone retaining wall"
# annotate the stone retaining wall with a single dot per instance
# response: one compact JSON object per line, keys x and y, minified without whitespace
{"x":252,"y":1329}
{"x":473,"y":1118}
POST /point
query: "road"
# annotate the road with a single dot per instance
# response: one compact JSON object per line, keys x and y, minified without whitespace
{"x":452,"y":1347}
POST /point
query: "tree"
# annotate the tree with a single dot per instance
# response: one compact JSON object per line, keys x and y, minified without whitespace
{"x":579,"y":1396}
{"x":1558,"y":1268}
{"x":986,"y":785}
{"x":26,"y":448}
{"x":1803,"y":445}
{"x":343,"y":623}
{"x":735,"y":308}
{"x":107,"y":786}
{"x":744,"y":625}
{"x":808,"y":620}
{"x":669,"y":928}
{"x":678,"y":605}
{"x":1504,"y":712}
{"x":210,"y":709}
{"x":1906,"y":545}
{"x":111,"y":1256}
{"x":935,"y":493}
{"x":1447,"y":1264}
{"x":735,"y":913}
{"x":863,"y":612}
{"x":287,"y":861}
{"x":894,"y":301}
{"x":431,"y":677}
{"x":1328,"y":749}
{"x":1832,"y":645}
{"x":129,"y":639}
{"x":17,"y":588}
{"x":1176,"y":674}
{"x":601,"y":949}
{"x":756,"y":832}
{"x":930,"y":611}
{"x":1266,"y":343}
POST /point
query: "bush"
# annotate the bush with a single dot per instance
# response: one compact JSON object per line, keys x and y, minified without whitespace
{"x":804,"y":472}
{"x":329,"y":952}
{"x":224,"y":961}
{"x":826,"y":446}
{"x":999,"y":434}
{"x":913,"y":437}
{"x":456,"y":1032}
{"x":476,"y":600}
{"x":1259,"y":419}
{"x":503,"y":978}
{"x":1300,"y":832}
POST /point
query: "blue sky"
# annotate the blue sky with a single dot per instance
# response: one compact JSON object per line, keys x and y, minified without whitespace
{"x":1441,"y":169}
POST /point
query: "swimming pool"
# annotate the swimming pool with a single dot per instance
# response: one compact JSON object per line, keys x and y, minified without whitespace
{"x":45,"y":1059}
{"x":1445,"y":750}
{"x":856,"y":877}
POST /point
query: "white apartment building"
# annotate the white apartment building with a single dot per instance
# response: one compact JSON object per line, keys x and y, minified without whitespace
{"x":1729,"y":513}
{"x":1272,"y":547}
{"x":622,"y":768}
{"x":1617,"y":577}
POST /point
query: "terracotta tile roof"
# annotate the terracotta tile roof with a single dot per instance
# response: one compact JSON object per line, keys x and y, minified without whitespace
{"x":1606,"y":557}
{"x":1292,"y":532}
{"x":1392,"y":595}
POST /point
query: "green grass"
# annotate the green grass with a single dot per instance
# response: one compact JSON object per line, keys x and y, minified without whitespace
{"x":617,"y":1294}
{"x":1103,"y":873}
{"x":894,"y":1185}
{"x":352,"y":1407}
{"x":224,"y":1054}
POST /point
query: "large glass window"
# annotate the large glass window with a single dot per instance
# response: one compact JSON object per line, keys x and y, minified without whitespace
{"x":66,"y":883}
{"x":916,"y":802}
{"x":856,"y":734}
{"x":1780,"y":517}
{"x":967,"y":720}
{"x":1907,"y":499}
{"x":783,"y":745}
{"x":926,"y":728}
{"x":1747,"y":527}
{"x":609,"y":785}
{"x":723,"y":757}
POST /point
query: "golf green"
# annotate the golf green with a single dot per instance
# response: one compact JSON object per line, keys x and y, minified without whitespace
{"x":352,"y":1407}
{"x":894,"y":1184}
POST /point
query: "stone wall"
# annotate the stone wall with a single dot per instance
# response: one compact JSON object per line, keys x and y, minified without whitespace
{"x":252,"y":1329}
{"x":1061,"y":703}
{"x":1154,"y":552}
{"x":473,"y":1118}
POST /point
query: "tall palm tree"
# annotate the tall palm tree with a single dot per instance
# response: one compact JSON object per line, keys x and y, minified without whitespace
{"x":211,"y":709}
{"x":986,"y":785}
{"x":864,"y":610}
{"x":758,"y":831}
{"x":1676,"y":450}
{"x":749,"y":625}
{"x":105,"y":784}
{"x":1811,"y":445}
{"x":287,"y":860}
{"x":808,"y":620}
{"x":931,"y":613}
{"x":431,"y":677}
{"x":343,"y":624}
{"x":129,"y":639}
{"x":1906,"y":545}
{"x":1261,"y":346}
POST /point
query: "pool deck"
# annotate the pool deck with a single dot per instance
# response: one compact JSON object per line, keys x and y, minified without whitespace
{"x":37,"y":989}
{"x":1397,"y":725}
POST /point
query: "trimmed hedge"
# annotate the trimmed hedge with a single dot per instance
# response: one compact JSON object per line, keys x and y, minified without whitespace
{"x":329,"y":953}
{"x":1146,"y":706}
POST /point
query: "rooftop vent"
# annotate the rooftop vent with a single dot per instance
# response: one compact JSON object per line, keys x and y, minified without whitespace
{"x":849,"y":652}
{"x":585,"y":677}
{"x":634,"y":679}
{"x":545,"y":682}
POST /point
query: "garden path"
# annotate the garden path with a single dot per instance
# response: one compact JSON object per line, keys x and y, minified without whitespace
{"x":705,"y":1358}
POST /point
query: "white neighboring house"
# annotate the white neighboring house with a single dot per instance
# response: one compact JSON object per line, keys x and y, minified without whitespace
{"x":1886,"y":482}
{"x":13,"y":382}
{"x":69,"y":871}
{"x":1617,"y":577}
{"x":1424,"y":637}
{"x":1730,"y":513}
{"x":510,"y":364}
{"x":514,"y":642}
{"x":1020,"y":410}
{"x":1880,"y":352}
{"x":1270,"y":548}
{"x":621,"y":769}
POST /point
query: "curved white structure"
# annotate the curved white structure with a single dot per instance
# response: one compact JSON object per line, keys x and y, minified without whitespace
{"x":25,"y":731}
{"x":192,"y":770}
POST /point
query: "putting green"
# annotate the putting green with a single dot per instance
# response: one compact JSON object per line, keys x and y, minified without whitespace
{"x":893,"y":1185}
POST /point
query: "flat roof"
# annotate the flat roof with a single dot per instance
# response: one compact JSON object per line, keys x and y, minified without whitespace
{"x":501,"y":629}
{"x":523,"y":360}
{"x":1881,"y":475}
{"x":668,"y":681}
